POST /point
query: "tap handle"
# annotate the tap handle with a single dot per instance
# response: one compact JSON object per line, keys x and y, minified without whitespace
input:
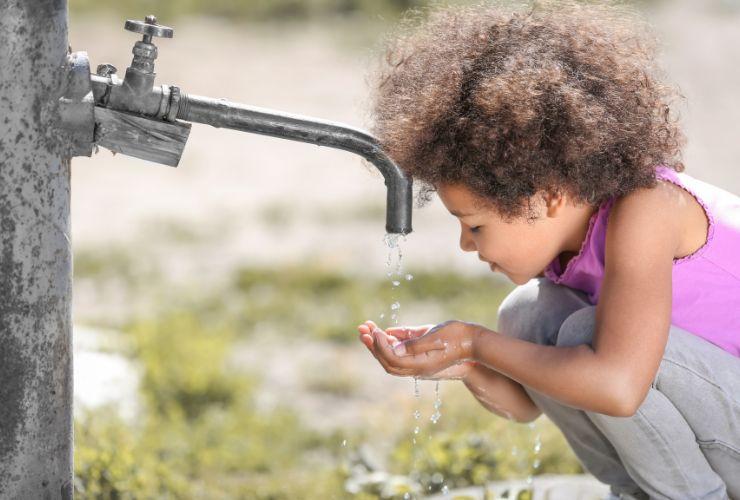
{"x":149,"y":28}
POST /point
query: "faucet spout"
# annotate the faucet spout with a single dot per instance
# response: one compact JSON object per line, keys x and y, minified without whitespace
{"x":225,"y":114}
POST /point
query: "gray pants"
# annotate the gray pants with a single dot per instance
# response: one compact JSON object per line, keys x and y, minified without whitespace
{"x":684,"y":440}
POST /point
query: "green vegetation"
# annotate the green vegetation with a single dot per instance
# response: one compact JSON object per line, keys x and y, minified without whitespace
{"x":262,"y":10}
{"x":201,"y":433}
{"x":250,"y":9}
{"x":325,"y":305}
{"x":470,"y":447}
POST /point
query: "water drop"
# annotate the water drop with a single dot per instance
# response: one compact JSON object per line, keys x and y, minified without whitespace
{"x":407,"y":496}
{"x":344,"y":442}
{"x":445,"y":490}
{"x":409,"y":277}
{"x":382,"y":315}
{"x":417,"y":414}
{"x":417,"y":390}
{"x":437,"y":405}
{"x":396,"y":306}
{"x":395,"y":282}
{"x":416,"y":430}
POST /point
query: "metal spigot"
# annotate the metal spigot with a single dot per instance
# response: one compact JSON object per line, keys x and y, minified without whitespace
{"x":149,"y":28}
{"x":139,"y":79}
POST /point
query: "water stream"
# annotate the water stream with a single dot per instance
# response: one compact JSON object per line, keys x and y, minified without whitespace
{"x":536,"y":447}
{"x":395,"y":273}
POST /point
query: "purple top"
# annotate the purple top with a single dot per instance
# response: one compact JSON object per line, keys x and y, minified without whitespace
{"x":706,"y":284}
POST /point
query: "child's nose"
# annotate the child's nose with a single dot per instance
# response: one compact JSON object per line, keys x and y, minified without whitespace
{"x":466,"y":242}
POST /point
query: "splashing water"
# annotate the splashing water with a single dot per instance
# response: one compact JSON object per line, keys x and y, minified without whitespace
{"x":437,"y":405}
{"x":396,"y":275}
{"x":394,"y":271}
{"x":417,"y":412}
{"x":536,"y":447}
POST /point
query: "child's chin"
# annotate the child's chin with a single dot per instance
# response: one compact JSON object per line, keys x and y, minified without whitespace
{"x":516,"y":279}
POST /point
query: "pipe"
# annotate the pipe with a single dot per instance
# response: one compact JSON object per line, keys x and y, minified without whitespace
{"x":221,"y":113}
{"x":35,"y":255}
{"x":225,"y":114}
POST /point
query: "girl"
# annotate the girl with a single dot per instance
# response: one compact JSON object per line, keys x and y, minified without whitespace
{"x":548,"y":133}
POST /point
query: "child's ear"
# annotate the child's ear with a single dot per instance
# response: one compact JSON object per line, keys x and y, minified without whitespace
{"x":555,"y":202}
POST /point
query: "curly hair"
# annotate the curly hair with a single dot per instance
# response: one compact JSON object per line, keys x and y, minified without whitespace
{"x":509,"y":102}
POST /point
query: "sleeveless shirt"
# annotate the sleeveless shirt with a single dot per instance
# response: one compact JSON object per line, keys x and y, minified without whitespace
{"x":706,"y":284}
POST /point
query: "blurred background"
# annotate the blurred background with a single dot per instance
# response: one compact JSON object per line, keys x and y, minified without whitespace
{"x":216,"y":304}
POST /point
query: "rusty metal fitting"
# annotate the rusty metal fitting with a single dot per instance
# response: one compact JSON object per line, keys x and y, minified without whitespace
{"x":106,"y":70}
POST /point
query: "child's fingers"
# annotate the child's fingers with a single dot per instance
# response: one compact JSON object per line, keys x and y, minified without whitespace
{"x":420,"y":345}
{"x":383,"y":352}
{"x":364,"y":337}
{"x":368,"y":327}
{"x":371,"y":325}
{"x":408,"y":332}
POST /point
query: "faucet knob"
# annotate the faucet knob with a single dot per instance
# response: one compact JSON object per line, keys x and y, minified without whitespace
{"x":149,"y":28}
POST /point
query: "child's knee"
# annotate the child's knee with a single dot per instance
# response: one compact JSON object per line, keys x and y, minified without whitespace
{"x":515,"y":314}
{"x":534,"y":311}
{"x":578,"y":328}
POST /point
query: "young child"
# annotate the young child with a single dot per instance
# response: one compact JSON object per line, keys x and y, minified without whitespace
{"x":547,"y":132}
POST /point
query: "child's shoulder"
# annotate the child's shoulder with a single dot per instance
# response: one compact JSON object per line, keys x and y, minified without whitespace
{"x":664,"y":211}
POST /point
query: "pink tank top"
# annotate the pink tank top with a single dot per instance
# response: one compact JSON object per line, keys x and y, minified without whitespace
{"x":706,"y":284}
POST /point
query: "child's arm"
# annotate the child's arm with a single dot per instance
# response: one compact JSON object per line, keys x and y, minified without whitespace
{"x":632,"y":320}
{"x":500,"y":395}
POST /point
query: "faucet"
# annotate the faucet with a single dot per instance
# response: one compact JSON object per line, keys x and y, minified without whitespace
{"x":134,"y":117}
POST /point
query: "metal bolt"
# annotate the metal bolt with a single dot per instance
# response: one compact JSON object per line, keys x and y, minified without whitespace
{"x":106,"y":70}
{"x":150,"y":19}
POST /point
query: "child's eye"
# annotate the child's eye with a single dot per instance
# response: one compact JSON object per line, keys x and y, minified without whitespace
{"x":475,"y":229}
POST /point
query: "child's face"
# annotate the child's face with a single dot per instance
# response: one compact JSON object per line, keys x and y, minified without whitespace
{"x":519,"y":248}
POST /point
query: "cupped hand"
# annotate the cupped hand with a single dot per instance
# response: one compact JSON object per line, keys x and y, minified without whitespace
{"x":400,"y":352}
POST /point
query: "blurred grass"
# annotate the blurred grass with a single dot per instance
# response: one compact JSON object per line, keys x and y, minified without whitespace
{"x":325,"y":305}
{"x":273,"y":10}
{"x":247,"y":9}
{"x":469,"y":446}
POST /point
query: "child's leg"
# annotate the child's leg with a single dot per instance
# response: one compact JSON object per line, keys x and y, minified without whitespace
{"x":703,"y":382}
{"x":658,"y":445}
{"x":534,"y":312}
